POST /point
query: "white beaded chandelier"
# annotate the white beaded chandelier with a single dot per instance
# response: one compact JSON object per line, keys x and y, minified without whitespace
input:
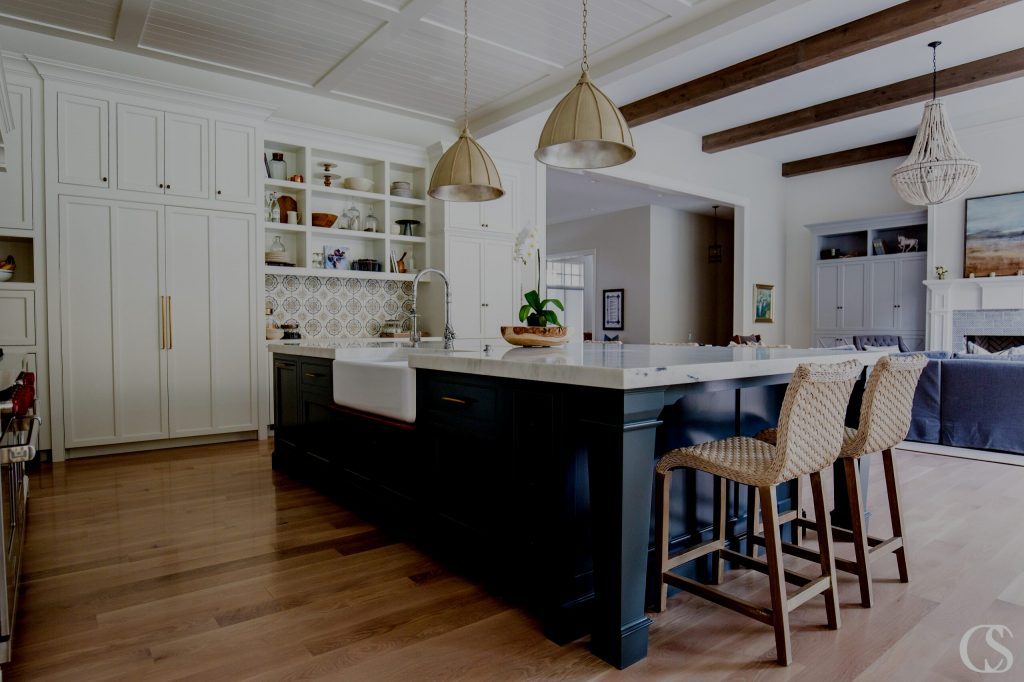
{"x":937,"y":170}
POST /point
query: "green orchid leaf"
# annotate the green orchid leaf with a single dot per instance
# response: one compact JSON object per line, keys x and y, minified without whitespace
{"x":524,"y":312}
{"x":533,"y":298}
{"x":553,"y":301}
{"x":551,"y":317}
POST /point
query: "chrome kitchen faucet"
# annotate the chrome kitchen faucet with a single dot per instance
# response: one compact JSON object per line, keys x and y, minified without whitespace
{"x":449,"y":333}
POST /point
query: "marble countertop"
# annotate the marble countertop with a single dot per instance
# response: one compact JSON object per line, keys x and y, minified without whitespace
{"x":328,"y":350}
{"x":629,"y":366}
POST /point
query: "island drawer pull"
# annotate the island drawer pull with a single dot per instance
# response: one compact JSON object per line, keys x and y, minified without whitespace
{"x":457,"y":401}
{"x":314,"y":375}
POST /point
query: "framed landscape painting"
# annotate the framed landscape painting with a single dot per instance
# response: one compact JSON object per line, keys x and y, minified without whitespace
{"x":994,"y":235}
{"x":764,"y":303}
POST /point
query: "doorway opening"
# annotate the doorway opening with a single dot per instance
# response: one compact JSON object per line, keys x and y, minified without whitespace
{"x":672,"y":259}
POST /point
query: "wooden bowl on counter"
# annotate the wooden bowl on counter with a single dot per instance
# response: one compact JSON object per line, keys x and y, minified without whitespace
{"x":535,"y":337}
{"x":324,"y":219}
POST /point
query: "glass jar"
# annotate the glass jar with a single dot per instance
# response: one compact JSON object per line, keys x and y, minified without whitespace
{"x":352,"y":216}
{"x":371,"y":223}
{"x":278,"y":168}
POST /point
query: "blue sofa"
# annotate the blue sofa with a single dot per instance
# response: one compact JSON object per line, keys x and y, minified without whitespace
{"x":971,"y":401}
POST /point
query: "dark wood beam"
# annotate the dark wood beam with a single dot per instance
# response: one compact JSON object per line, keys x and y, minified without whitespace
{"x":849,"y":157}
{"x":987,"y":71}
{"x":881,"y":28}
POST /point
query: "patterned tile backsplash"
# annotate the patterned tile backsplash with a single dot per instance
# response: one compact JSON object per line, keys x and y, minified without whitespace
{"x":333,"y":307}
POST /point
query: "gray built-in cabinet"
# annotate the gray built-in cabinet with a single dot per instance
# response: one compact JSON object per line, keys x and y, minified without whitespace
{"x":864,"y":283}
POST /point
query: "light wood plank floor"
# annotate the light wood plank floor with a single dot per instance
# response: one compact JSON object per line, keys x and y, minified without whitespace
{"x":204,"y":564}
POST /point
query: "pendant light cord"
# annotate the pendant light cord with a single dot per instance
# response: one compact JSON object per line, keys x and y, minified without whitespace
{"x":465,"y":64}
{"x":585,"y":64}
{"x":935,"y":67}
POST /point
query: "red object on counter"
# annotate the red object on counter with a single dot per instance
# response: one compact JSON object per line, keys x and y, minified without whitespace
{"x":24,"y":393}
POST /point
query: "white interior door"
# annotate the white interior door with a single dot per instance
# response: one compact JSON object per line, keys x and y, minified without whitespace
{"x":113,"y":373}
{"x":498,"y":297}
{"x":210,"y":364}
{"x":465,"y":257}
{"x":140,"y":149}
{"x":82,"y":140}
{"x":187,"y":156}
{"x":235,"y":168}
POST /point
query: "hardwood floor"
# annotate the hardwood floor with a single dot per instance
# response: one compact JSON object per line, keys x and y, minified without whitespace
{"x":204,"y":564}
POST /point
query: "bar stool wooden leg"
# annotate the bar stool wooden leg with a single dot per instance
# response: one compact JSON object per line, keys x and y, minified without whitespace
{"x":753,"y":511}
{"x":721,"y":517}
{"x":795,"y":531}
{"x":776,"y":575}
{"x":825,"y":548}
{"x":661,"y":523}
{"x":860,"y":536}
{"x":893,"y":488}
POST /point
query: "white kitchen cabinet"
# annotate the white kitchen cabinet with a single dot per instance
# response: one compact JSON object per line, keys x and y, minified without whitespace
{"x":162,"y":152}
{"x":157,"y":321}
{"x":18,"y":315}
{"x":499,"y":216}
{"x":16,"y":200}
{"x":210,"y":361}
{"x":826,"y":278}
{"x":140,"y":149}
{"x":884,"y":295}
{"x":910,"y":276}
{"x":235,"y":168}
{"x":481,"y":275}
{"x":841,"y":296}
{"x":186,"y":156}
{"x":83,"y":147}
{"x":111,"y":332}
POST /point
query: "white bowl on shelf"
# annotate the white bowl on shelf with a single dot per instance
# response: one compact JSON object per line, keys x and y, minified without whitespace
{"x":358,"y":184}
{"x":6,"y":275}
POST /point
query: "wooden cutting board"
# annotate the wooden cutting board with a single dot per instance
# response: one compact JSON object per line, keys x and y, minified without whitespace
{"x":286,"y":203}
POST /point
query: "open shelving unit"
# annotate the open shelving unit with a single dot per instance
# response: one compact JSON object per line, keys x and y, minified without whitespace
{"x":304,"y":240}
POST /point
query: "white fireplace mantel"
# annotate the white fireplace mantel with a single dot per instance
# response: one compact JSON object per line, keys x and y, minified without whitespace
{"x":945,"y":296}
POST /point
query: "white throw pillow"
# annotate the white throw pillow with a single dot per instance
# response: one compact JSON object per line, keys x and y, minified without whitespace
{"x":975,"y":349}
{"x":848,"y":346}
{"x":887,"y":349}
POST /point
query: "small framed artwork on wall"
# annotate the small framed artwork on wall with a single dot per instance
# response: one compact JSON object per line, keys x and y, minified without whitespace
{"x":764,"y":303}
{"x":994,"y":235}
{"x":614,"y":309}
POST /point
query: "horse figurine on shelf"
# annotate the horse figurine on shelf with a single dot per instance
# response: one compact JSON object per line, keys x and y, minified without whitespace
{"x":907,"y":244}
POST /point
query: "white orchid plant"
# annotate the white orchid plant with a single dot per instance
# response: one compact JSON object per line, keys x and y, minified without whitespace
{"x":527,"y":249}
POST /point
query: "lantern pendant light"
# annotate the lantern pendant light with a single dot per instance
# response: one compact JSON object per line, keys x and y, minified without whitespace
{"x":465,"y":172}
{"x":715,"y":250}
{"x":937,"y":170}
{"x":585,"y":129}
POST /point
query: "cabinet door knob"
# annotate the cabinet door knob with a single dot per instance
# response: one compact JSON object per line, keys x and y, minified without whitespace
{"x":104,"y":178}
{"x":161,"y":185}
{"x":218,"y":191}
{"x":167,"y":187}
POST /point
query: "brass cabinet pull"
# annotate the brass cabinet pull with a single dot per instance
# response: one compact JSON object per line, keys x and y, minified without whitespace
{"x":163,"y":326}
{"x":457,"y":401}
{"x":314,"y":375}
{"x":170,"y":326}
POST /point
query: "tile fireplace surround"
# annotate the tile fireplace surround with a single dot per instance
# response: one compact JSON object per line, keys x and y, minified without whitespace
{"x":985,"y":306}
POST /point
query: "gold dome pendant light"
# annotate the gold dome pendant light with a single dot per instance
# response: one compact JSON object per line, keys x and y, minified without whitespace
{"x":465,"y":172}
{"x":585,"y":129}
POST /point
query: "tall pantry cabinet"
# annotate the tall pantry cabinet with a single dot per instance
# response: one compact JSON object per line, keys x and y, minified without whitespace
{"x":152,"y":254}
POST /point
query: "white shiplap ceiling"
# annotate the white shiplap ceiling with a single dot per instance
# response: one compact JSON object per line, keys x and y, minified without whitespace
{"x":399,"y":54}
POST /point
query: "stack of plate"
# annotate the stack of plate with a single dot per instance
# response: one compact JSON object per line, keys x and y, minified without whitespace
{"x":277,"y":258}
{"x":400,"y":189}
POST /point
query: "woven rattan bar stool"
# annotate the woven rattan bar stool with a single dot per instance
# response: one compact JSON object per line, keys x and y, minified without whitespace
{"x":884,"y":422}
{"x":809,"y":437}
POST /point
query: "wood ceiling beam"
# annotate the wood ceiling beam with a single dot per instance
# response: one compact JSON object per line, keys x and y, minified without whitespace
{"x":849,"y":157}
{"x":976,"y":74}
{"x":881,"y":28}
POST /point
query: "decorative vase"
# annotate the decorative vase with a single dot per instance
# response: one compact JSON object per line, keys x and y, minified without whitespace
{"x":278,"y":168}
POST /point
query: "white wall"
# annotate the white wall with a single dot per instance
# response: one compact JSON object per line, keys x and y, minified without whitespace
{"x":671,"y":158}
{"x":622,"y":241}
{"x":683,"y":296}
{"x":864,"y":191}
